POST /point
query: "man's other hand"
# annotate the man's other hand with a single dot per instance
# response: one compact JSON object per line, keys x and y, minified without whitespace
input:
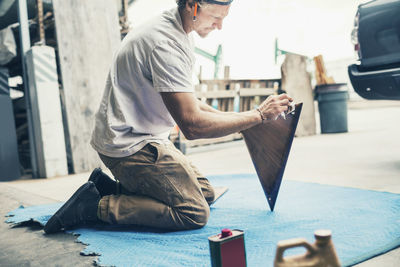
{"x":274,"y":105}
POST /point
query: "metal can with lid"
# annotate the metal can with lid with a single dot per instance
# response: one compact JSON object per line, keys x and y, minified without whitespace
{"x":227,"y":249}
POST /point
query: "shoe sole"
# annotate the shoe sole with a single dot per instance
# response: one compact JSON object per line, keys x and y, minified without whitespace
{"x":94,"y":176}
{"x":55,"y":224}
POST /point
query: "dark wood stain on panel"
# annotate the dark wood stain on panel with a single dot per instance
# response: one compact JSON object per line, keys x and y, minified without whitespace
{"x":269,"y":146}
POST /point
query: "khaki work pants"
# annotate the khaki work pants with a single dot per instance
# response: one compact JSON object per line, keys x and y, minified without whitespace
{"x":159,"y":187}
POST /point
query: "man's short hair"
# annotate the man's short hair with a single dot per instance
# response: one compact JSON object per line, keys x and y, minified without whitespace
{"x":182,"y":3}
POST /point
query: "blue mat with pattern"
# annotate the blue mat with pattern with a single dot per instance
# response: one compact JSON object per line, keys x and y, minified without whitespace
{"x":363,"y":223}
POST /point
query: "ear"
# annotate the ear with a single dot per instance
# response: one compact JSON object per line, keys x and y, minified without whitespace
{"x":189,"y":5}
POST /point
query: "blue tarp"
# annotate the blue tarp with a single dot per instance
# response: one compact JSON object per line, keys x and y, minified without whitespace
{"x":364,"y":224}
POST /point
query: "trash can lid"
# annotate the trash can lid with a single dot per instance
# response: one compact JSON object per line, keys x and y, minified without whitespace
{"x":333,"y":87}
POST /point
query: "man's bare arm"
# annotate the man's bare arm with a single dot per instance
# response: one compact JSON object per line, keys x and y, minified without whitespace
{"x":205,"y":107}
{"x":197,"y":121}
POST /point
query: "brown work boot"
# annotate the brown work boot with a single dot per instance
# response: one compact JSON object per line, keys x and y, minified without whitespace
{"x":104,"y":184}
{"x":80,"y":209}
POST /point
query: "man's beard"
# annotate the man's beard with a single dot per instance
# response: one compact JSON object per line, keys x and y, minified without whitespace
{"x":204,"y":34}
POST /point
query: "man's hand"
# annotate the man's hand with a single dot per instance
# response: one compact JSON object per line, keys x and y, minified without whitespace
{"x":274,"y":105}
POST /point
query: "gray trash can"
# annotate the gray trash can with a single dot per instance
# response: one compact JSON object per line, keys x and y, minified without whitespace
{"x":332,"y":107}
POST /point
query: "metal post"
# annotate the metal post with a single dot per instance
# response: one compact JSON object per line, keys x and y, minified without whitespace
{"x":25,"y":43}
{"x":40,"y":22}
{"x":216,"y":59}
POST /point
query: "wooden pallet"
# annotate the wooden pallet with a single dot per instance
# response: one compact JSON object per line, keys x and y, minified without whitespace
{"x":222,"y":94}
{"x":320,"y":72}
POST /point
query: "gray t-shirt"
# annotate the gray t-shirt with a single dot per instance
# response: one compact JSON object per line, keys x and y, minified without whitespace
{"x":157,"y":57}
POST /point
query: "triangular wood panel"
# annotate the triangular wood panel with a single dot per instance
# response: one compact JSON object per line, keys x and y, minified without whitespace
{"x":269,"y":146}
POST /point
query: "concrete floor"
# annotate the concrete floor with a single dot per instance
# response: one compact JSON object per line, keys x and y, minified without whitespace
{"x":367,"y":157}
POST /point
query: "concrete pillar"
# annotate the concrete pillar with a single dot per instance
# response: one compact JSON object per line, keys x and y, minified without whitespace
{"x":296,"y":82}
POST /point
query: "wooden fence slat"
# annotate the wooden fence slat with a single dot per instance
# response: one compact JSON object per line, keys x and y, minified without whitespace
{"x":257,"y":91}
{"x":216,"y":94}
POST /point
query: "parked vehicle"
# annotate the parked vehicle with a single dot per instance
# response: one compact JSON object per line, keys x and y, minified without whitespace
{"x":376,"y":39}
